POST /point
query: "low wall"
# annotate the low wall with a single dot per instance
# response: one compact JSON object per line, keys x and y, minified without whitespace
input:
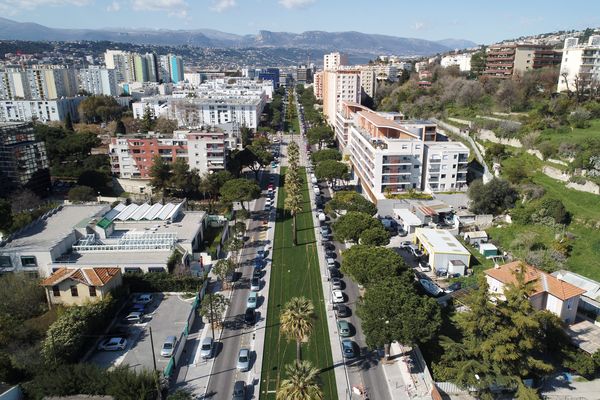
{"x":555,"y":173}
{"x":486,"y":134}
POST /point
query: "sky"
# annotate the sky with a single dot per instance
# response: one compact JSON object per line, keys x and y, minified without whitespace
{"x":434,"y":19}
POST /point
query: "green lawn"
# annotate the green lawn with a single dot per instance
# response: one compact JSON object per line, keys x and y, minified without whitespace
{"x":568,"y":135}
{"x":295,"y":272}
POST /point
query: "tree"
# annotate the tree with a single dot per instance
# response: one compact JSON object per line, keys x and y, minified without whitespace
{"x":6,"y":218}
{"x":369,"y":264}
{"x":24,"y":200}
{"x":82,"y":194}
{"x":375,"y":237}
{"x":346,"y":200}
{"x":326,"y":154}
{"x":293,"y":204}
{"x":21,"y":296}
{"x":165,"y":125}
{"x":147,"y":122}
{"x":332,"y":171}
{"x":301,"y":383}
{"x":222,"y":268}
{"x":350,"y":226}
{"x":181,"y":180}
{"x":95,"y":179}
{"x":211,"y":184}
{"x":261,"y":154}
{"x":213,"y":308}
{"x":69,"y":123}
{"x":319,"y":135}
{"x":296,"y":322}
{"x":160,"y":174}
{"x":180,"y":394}
{"x":409,"y":318}
{"x":240,"y":190}
{"x":494,"y":197}
{"x":96,"y":109}
{"x":120,"y":128}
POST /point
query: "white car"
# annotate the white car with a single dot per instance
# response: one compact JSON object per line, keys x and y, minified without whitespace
{"x":337,"y":296}
{"x":330,"y":262}
{"x":168,"y":346}
{"x":243,"y":362}
{"x":113,"y":344}
{"x":134,"y":317}
{"x":206,"y":348}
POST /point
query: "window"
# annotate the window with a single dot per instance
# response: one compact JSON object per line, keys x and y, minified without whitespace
{"x":443,"y":176}
{"x":55,"y":291}
{"x":5,"y":262}
{"x":74,"y":292}
{"x":92,"y":291}
{"x":28,"y":261}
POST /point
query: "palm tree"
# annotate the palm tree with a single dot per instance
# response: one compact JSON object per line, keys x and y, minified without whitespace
{"x":293,"y":203}
{"x":301,"y":383}
{"x":296,"y":321}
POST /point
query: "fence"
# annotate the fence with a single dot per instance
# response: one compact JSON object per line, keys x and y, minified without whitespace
{"x":174,"y":360}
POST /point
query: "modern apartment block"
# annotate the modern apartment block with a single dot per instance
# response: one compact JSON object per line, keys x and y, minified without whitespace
{"x":270,"y":74}
{"x":580,"y":65}
{"x":332,"y":61}
{"x":39,"y":110}
{"x":318,"y":85}
{"x":132,"y":156}
{"x":23,"y":159}
{"x":98,"y":81}
{"x":338,"y":86}
{"x":392,"y":155}
{"x":506,"y":61}
{"x":368,"y":82}
{"x":463,"y":61}
{"x":45,"y":82}
{"x":135,"y":67}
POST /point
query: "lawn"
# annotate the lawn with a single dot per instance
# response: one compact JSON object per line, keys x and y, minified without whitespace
{"x":295,"y":272}
{"x":568,"y":135}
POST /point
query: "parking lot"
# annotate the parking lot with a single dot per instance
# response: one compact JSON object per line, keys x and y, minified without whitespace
{"x":166,"y":315}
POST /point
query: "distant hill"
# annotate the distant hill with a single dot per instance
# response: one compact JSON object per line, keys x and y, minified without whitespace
{"x":354,"y":43}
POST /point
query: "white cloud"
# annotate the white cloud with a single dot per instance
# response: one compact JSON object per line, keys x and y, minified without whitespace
{"x":12,"y":7}
{"x":113,"y":7}
{"x":291,"y":4}
{"x":223,"y":5}
{"x":177,"y":8}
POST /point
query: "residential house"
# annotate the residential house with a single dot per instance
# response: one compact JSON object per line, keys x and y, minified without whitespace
{"x":80,"y":285}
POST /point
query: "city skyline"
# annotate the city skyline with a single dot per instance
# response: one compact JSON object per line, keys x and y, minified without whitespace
{"x":470,"y":21}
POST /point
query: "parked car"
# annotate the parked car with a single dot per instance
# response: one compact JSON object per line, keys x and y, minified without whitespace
{"x":424,"y":267}
{"x":250,"y":316}
{"x":344,"y":328}
{"x":330,"y":262}
{"x":334,"y":272}
{"x":255,"y":284}
{"x":261,"y":252}
{"x":256,"y":273}
{"x":258,"y":263}
{"x":405,"y":245}
{"x":134,"y":317}
{"x":453,"y":287}
{"x":337,"y":283}
{"x":138,"y":307}
{"x":415,"y":251}
{"x":168,"y":346}
{"x":348,"y":348}
{"x":342,"y":310}
{"x":207,"y":347}
{"x":337,"y":296}
{"x":144,"y":298}
{"x":239,"y":390}
{"x":113,"y":344}
{"x":243,"y":360}
{"x":252,"y":300}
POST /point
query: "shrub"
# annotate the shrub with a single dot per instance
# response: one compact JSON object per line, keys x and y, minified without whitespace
{"x":580,"y":118}
{"x":82,"y":194}
{"x":581,"y":363}
{"x":161,"y":282}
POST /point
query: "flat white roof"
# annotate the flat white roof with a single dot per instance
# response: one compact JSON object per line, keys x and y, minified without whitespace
{"x":477,"y":234}
{"x":440,"y":241}
{"x":591,"y":287}
{"x":407,"y":216}
{"x":487,"y":246}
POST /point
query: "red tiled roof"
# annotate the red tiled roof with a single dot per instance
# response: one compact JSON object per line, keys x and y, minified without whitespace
{"x":543,"y":282}
{"x":98,"y":276}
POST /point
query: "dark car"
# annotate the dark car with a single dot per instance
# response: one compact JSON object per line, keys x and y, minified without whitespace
{"x":250,"y":316}
{"x":334,"y":272}
{"x":239,"y":390}
{"x":348,"y":348}
{"x":342,"y":310}
{"x":257,"y":273}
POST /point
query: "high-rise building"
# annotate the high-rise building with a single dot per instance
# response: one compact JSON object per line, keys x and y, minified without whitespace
{"x":23,"y":159}
{"x":164,"y":69}
{"x":40,"y":110}
{"x":176,"y":65}
{"x":318,"y":85}
{"x":270,"y":74}
{"x":506,"y":61}
{"x":134,"y":67}
{"x":338,"y":86}
{"x":98,"y":81}
{"x":332,"y":61}
{"x":140,"y":68}
{"x":45,"y":82}
{"x":368,"y":82}
{"x":152,"y":67}
{"x":580,"y":65}
{"x":303,"y":75}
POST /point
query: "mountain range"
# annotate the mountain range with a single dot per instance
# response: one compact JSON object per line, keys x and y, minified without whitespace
{"x":350,"y":42}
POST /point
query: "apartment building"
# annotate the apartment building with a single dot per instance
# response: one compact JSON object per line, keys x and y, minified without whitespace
{"x":368,"y":82}
{"x":132,"y":156}
{"x":23,"y":159}
{"x":391,"y":155}
{"x":332,"y":61}
{"x":44,"y":82}
{"x":580,"y":64}
{"x":318,"y":85}
{"x":463,"y":61}
{"x":98,"y":81}
{"x":39,"y":110}
{"x":339,"y":86}
{"x":506,"y":61}
{"x":135,"y":67}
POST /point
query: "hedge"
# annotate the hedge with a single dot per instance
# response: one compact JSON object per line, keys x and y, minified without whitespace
{"x":161,"y":282}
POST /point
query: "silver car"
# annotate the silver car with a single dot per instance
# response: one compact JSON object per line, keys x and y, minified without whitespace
{"x":168,"y":346}
{"x":113,"y":344}
{"x":206,"y":348}
{"x":243,"y":361}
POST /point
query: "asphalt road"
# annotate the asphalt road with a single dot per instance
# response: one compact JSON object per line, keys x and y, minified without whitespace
{"x":235,"y":334}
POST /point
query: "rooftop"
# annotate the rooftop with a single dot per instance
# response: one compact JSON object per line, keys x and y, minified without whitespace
{"x":87,"y":276}
{"x":440,"y":241}
{"x":115,"y":258}
{"x":46,"y":233}
{"x":543,"y":282}
{"x":407,"y":216}
{"x":591,"y":287}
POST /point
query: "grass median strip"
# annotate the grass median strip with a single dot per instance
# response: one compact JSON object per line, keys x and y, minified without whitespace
{"x":295,"y":272}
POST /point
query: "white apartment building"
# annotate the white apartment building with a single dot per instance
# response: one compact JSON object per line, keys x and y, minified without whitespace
{"x":462,"y":60}
{"x":44,"y":82}
{"x":332,"y":61}
{"x":580,"y":64}
{"x":339,"y":86}
{"x":39,"y":110}
{"x":98,"y":81}
{"x":368,"y":81}
{"x":318,"y":85}
{"x":14,"y":85}
{"x":389,"y":155}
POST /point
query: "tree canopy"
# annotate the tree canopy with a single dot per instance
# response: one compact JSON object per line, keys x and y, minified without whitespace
{"x":494,"y":197}
{"x":351,"y":225}
{"x":240,"y":190}
{"x":375,"y":237}
{"x":82,"y":194}
{"x":96,"y":109}
{"x":319,"y":135}
{"x":370,"y":264}
{"x":326,"y":154}
{"x":346,"y":200}
{"x":332,"y":171}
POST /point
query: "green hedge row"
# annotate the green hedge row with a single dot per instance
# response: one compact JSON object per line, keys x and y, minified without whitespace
{"x":161,"y":282}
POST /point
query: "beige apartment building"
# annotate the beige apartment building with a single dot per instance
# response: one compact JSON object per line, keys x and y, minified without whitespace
{"x":338,"y":86}
{"x":332,"y":61}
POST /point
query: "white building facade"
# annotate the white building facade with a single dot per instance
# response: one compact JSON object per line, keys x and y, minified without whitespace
{"x":463,"y":61}
{"x":580,"y":65}
{"x":39,"y":110}
{"x":98,"y":81}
